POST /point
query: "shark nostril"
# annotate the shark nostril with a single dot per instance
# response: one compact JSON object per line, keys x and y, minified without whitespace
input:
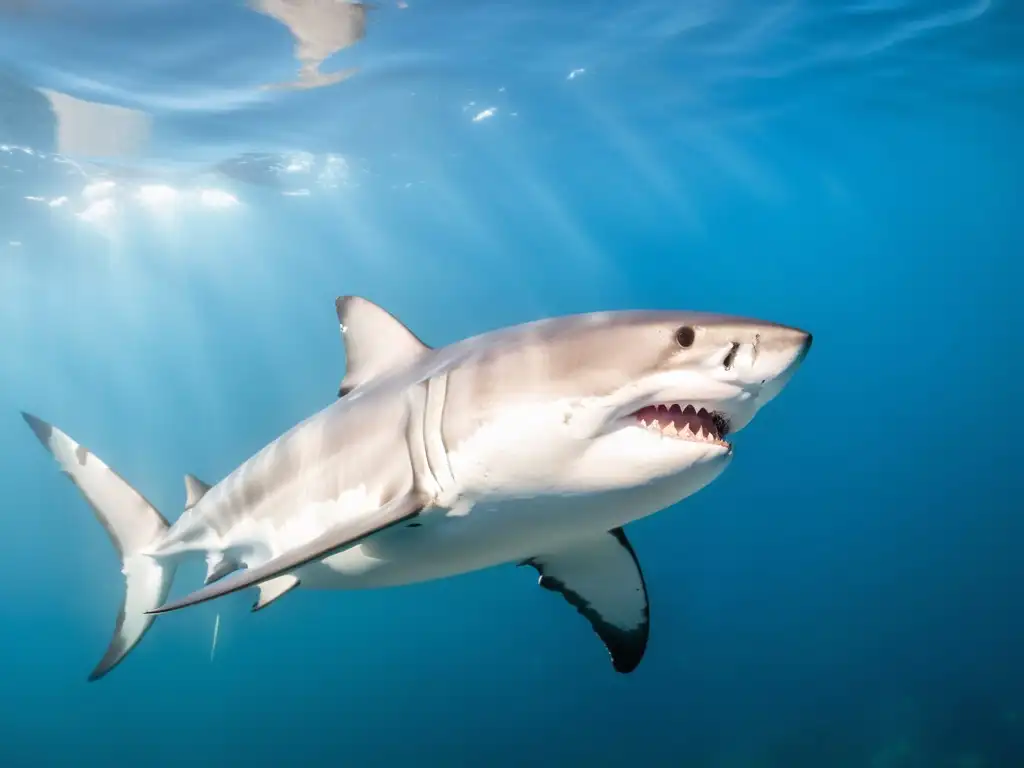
{"x":731,"y":357}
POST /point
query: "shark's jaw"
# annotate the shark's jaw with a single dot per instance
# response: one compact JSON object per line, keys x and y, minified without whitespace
{"x":682,"y":421}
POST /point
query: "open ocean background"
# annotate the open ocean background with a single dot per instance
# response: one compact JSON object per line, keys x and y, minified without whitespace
{"x":173,"y":234}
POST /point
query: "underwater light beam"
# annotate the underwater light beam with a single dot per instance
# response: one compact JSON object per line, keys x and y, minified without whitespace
{"x":157,"y":195}
{"x":217,"y":198}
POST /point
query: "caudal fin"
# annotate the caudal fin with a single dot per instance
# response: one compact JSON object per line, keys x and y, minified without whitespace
{"x":132,"y":523}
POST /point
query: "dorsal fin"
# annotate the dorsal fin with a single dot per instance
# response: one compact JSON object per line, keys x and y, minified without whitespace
{"x":376,"y":342}
{"x":195,"y":489}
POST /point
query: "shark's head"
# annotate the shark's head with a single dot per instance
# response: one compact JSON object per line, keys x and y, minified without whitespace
{"x":600,"y":402}
{"x":617,"y":400}
{"x":687,"y":384}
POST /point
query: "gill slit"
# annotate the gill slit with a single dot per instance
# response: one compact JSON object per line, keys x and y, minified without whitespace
{"x":433,"y":432}
{"x":423,"y":478}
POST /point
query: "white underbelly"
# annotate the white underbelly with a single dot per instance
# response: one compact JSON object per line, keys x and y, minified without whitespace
{"x":435,"y":550}
{"x":491,"y":533}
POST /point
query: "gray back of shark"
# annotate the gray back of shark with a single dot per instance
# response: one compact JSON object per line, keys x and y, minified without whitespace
{"x":532,"y":444}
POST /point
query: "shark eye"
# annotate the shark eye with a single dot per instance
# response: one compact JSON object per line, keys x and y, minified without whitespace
{"x":685,"y":336}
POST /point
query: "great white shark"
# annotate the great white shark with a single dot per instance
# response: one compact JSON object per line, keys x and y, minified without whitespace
{"x":533,"y":444}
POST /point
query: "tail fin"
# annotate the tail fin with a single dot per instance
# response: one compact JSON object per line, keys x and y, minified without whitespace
{"x":132,"y":523}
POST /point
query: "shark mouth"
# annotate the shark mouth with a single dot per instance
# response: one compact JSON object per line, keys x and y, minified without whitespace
{"x":685,"y":423}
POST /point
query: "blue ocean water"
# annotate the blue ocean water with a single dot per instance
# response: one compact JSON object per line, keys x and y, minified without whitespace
{"x":173,"y":233}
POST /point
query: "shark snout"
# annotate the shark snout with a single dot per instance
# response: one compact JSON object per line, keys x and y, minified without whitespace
{"x":790,"y":347}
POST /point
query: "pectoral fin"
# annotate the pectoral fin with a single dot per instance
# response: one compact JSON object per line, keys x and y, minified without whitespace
{"x":340,"y":537}
{"x":601,"y":579}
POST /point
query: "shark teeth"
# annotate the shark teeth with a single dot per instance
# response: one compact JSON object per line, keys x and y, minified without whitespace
{"x":684,"y":423}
